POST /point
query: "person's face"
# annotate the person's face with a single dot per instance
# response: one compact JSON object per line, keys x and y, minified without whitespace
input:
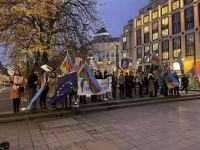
{"x":53,"y":75}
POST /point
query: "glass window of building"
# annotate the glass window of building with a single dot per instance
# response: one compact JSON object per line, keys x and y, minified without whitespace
{"x":146,"y":34}
{"x":146,"y":19}
{"x":187,"y":2}
{"x":139,"y":55}
{"x":155,"y":27}
{"x":176,"y":4}
{"x":155,"y":36}
{"x":189,"y":18}
{"x":155,"y":48}
{"x":124,"y":40}
{"x":176,"y":46}
{"x":190,"y":44}
{"x":146,"y":51}
{"x":165,"y":49}
{"x":112,"y":54}
{"x":176,"y":23}
{"x":165,"y":27}
{"x":139,"y":37}
{"x":199,"y":12}
{"x":164,"y":10}
{"x":155,"y":15}
{"x":139,"y":23}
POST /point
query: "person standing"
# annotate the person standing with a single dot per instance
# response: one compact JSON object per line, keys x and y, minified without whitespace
{"x":106,"y":75}
{"x":141,"y":83}
{"x":131,"y":82}
{"x":121,"y":85}
{"x":32,"y":85}
{"x":185,"y":83}
{"x":156,"y":87}
{"x":114,"y":85}
{"x":52,"y":86}
{"x":127,"y":85}
{"x":151,"y":85}
{"x":146,"y":83}
{"x":43,"y":95}
{"x":17,"y":89}
{"x":176,"y":89}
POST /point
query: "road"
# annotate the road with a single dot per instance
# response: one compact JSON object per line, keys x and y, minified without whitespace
{"x":166,"y":126}
{"x":5,"y":101}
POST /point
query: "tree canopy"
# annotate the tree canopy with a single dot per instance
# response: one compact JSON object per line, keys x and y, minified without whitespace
{"x":29,"y":26}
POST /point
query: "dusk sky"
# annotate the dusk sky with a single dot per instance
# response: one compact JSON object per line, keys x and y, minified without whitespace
{"x":116,"y":13}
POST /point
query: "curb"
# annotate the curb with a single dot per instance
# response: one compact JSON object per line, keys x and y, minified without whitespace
{"x":96,"y":107}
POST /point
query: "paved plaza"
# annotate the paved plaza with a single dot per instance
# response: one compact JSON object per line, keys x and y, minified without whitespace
{"x":166,"y":126}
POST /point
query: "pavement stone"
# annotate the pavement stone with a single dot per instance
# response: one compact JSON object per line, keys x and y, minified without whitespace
{"x":166,"y":126}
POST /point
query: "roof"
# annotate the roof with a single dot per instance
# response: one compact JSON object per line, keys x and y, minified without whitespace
{"x":102,"y":30}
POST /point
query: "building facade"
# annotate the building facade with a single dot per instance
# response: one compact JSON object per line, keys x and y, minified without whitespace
{"x":105,"y":51}
{"x":166,"y":27}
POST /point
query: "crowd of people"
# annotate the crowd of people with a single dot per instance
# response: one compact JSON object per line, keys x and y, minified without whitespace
{"x":124,"y":85}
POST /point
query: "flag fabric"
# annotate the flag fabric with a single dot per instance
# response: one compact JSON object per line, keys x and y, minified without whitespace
{"x":193,"y":74}
{"x":86,"y":73}
{"x":180,"y":61}
{"x":78,"y":62}
{"x":67,"y":65}
{"x":155,"y":60}
{"x":170,"y":80}
{"x":65,"y":85}
{"x":37,"y":95}
{"x":164,"y":68}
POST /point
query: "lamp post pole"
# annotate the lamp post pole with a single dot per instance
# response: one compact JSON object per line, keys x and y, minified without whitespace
{"x":117,"y":59}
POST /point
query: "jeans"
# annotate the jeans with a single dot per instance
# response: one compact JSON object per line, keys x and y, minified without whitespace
{"x":16,"y":105}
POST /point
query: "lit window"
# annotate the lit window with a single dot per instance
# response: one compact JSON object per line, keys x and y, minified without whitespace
{"x":146,"y":29}
{"x":176,"y":66}
{"x":165,"y":21}
{"x":124,"y":39}
{"x":155,"y":15}
{"x":164,"y":10}
{"x":155,"y":36}
{"x":146,"y":19}
{"x":138,"y":23}
{"x":165,"y":55}
{"x":175,"y":5}
{"x":165,"y":32}
{"x":155,"y":47}
{"x":146,"y":51}
{"x":126,"y":31}
{"x":176,"y":46}
{"x":124,"y":55}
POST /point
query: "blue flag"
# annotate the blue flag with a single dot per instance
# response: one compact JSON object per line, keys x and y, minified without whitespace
{"x":65,"y":84}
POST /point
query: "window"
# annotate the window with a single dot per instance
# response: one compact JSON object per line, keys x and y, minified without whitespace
{"x":187,"y":2}
{"x":125,"y":30}
{"x":165,"y":50}
{"x":112,"y":54}
{"x":139,"y":55}
{"x":146,"y":19}
{"x":138,"y":23}
{"x":176,"y":23}
{"x":165,"y":27}
{"x":155,"y":36}
{"x":189,"y":18}
{"x":146,"y":34}
{"x":199,"y":13}
{"x":176,"y":46}
{"x":124,"y":43}
{"x":107,"y":55}
{"x":146,"y":51}
{"x":176,"y":5}
{"x":155,"y":15}
{"x":190,"y":44}
{"x":164,"y":10}
{"x":155,"y":48}
{"x":155,"y":31}
{"x":139,"y":38}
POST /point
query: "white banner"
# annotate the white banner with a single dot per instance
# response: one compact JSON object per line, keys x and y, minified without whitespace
{"x":83,"y":87}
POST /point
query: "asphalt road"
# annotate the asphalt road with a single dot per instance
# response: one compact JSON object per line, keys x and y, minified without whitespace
{"x":5,"y":101}
{"x":166,"y":126}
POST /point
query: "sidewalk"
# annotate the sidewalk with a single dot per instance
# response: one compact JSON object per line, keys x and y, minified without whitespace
{"x":99,"y":106}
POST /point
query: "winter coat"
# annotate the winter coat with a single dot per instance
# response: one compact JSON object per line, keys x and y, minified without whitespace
{"x":17,"y":82}
{"x":52,"y":84}
{"x":151,"y":85}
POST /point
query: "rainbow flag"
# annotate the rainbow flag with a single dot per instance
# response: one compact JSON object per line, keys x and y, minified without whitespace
{"x":180,"y":61}
{"x":155,"y":60}
{"x":170,"y":80}
{"x":193,"y":74}
{"x":86,"y":73}
{"x":67,"y":65}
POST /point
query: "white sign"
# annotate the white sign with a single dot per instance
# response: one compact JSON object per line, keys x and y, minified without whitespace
{"x":46,"y":68}
{"x":84,"y":89}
